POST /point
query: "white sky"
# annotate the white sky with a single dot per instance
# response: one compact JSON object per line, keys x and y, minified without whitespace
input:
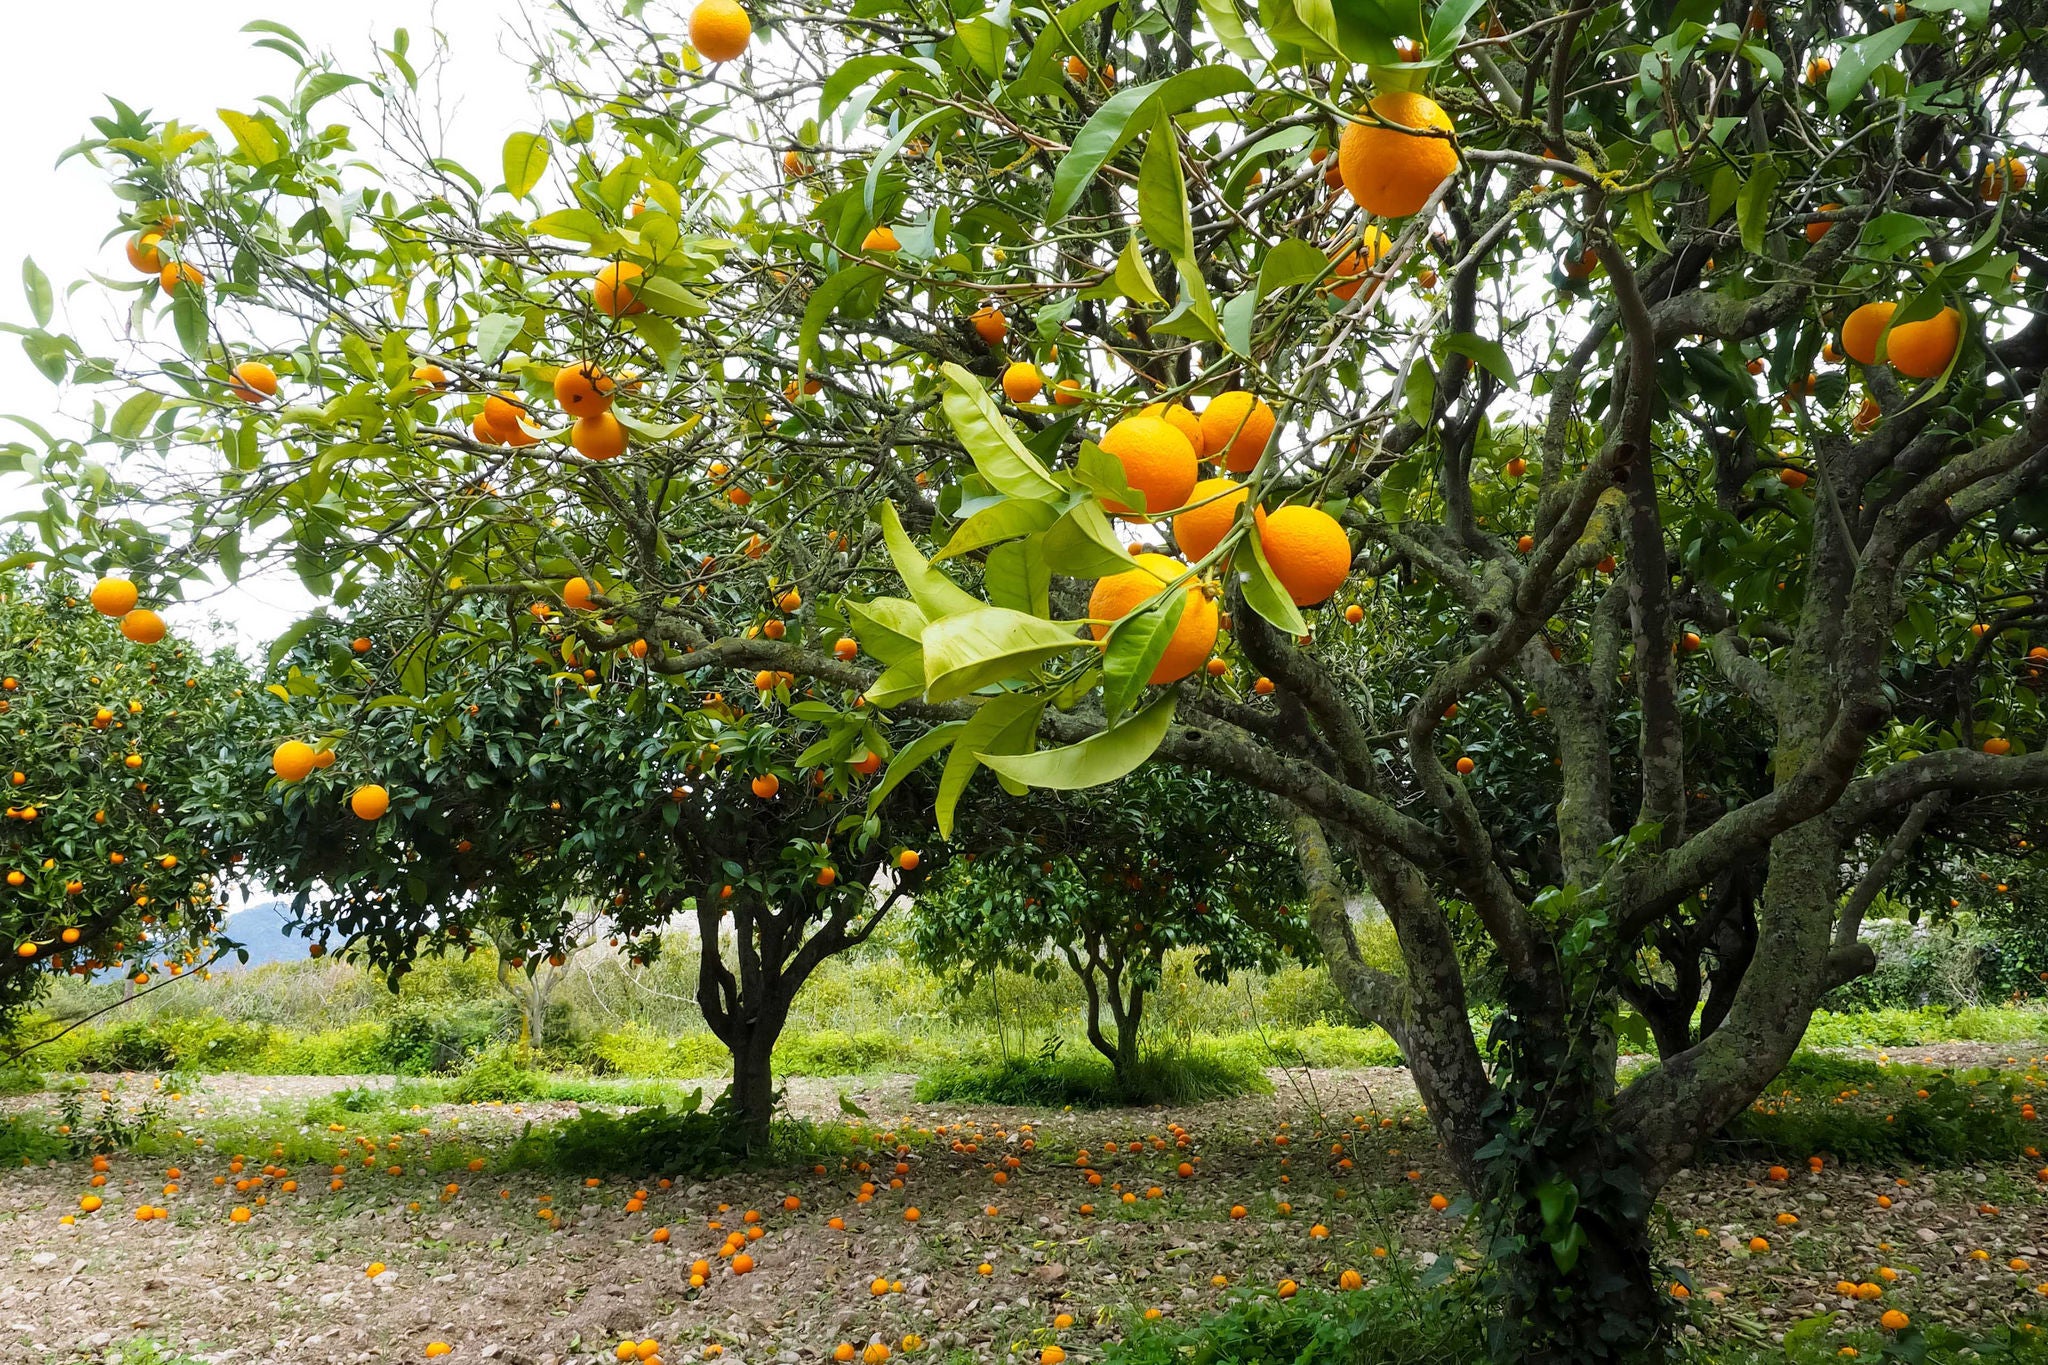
{"x":57,"y":67}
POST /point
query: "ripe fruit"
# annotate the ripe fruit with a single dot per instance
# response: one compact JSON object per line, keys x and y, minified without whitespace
{"x":1067,"y":393}
{"x":1212,"y":509}
{"x":1817,"y":70}
{"x":2002,"y":177}
{"x":1235,"y":429}
{"x":1352,"y":267}
{"x":576,"y":594}
{"x":827,"y":875}
{"x":176,"y":274}
{"x":1860,"y":333}
{"x":1465,"y":767}
{"x":504,"y":418}
{"x":143,"y":626}
{"x":766,"y":785}
{"x":1392,"y":173}
{"x":1922,"y":350}
{"x":845,"y":648}
{"x":1517,"y":467}
{"x":1308,"y":552}
{"x":990,"y":324}
{"x":1998,"y":746}
{"x":908,"y":860}
{"x":369,"y":802}
{"x":1022,"y":382}
{"x":1182,"y":419}
{"x":719,"y":30}
{"x":614,"y":292}
{"x":1193,"y":636}
{"x":142,"y":252}
{"x":880,"y":238}
{"x":583,"y":390}
{"x":602,"y":437}
{"x":431,"y":378}
{"x":254,"y":382}
{"x":1816,"y":231}
{"x":113,"y":597}
{"x":1159,"y":464}
{"x":1894,"y":1321}
{"x":292,"y":760}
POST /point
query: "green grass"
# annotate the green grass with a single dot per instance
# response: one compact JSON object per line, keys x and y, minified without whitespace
{"x":1184,"y":1076}
{"x":1914,"y":1028}
{"x":1875,"y":1114}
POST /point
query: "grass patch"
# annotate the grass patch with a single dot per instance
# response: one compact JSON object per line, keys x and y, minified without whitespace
{"x":1882,"y":1115}
{"x":1185,"y":1076}
{"x":1933,"y":1024}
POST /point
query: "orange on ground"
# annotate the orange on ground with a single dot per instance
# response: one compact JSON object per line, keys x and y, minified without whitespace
{"x":1193,"y":636}
{"x":1159,"y":464}
{"x":1392,"y":173}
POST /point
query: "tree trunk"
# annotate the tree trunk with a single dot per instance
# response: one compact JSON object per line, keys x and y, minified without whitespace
{"x":753,"y":1083}
{"x":1595,"y":1301}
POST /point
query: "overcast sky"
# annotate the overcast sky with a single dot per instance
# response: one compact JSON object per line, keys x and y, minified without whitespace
{"x":58,"y":65}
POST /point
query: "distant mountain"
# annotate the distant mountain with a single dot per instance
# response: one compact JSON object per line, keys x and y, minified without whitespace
{"x":260,"y":928}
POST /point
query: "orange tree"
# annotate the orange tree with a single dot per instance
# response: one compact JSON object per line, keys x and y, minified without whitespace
{"x":1639,"y":362}
{"x":1109,"y":883}
{"x":107,"y":746}
{"x":542,"y":797}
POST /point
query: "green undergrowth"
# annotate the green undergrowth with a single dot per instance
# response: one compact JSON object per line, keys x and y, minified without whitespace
{"x":1183,"y":1076}
{"x":2017,"y":1025}
{"x":1880,"y":1114}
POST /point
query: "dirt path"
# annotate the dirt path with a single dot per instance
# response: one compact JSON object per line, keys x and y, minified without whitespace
{"x":480,"y":1268}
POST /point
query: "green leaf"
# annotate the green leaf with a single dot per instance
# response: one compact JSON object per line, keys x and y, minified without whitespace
{"x":1860,"y":58}
{"x":1102,"y":474}
{"x":1447,"y":25}
{"x":1239,"y":311}
{"x":884,"y":159}
{"x":983,"y":41}
{"x":898,"y":683}
{"x":819,"y":306}
{"x":525,"y":161}
{"x":1291,"y":262}
{"x":132,"y":417}
{"x":1016,"y":575}
{"x":188,"y":316}
{"x":1642,"y":212}
{"x":1162,"y":192}
{"x":495,"y":332}
{"x":1228,"y":26}
{"x":991,"y":442}
{"x":888,"y":628}
{"x":1890,"y":234}
{"x":1263,"y":593}
{"x":251,"y":137}
{"x":1753,"y":205}
{"x":993,"y":728}
{"x":1482,"y":352}
{"x":849,"y":76}
{"x":1112,"y":125}
{"x":1009,"y":519}
{"x":913,"y":756}
{"x":1059,"y":39}
{"x":1102,"y":757}
{"x":36,"y":285}
{"x":938,"y":595}
{"x":1134,"y":649}
{"x":1082,"y":544}
{"x":571,"y":225}
{"x":1134,"y":279}
{"x":966,"y":652}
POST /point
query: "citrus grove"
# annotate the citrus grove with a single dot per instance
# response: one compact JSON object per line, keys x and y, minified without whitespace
{"x":1585,"y":465}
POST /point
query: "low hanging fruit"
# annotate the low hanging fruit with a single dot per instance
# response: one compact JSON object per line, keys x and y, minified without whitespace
{"x":1307,"y":551}
{"x":369,"y":802}
{"x":1235,"y":429}
{"x":143,"y":626}
{"x":292,"y":760}
{"x":1194,"y":636}
{"x":1158,"y":463}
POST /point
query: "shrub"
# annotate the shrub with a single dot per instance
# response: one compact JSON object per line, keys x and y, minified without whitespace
{"x":495,"y":1073}
{"x":1920,"y":964}
{"x":828,"y":1052}
{"x":1881,"y":1118}
{"x":635,"y":1050}
{"x":1383,"y":1325}
{"x":1179,"y":1077}
{"x":20,"y":1080}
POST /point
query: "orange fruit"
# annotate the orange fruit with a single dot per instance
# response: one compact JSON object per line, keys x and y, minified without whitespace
{"x":576,"y":594}
{"x":880,"y":238}
{"x":430,"y":377}
{"x":254,"y":382}
{"x":1235,"y":429}
{"x":505,"y":418}
{"x":113,"y":597}
{"x":720,"y":30}
{"x":1193,"y":636}
{"x":1816,"y":231}
{"x":2001,"y":177}
{"x":766,"y":785}
{"x":176,"y":274}
{"x":1308,"y":552}
{"x":613,"y":291}
{"x":600,"y":437}
{"x":1159,"y":464}
{"x":1863,"y":329}
{"x":1998,"y":746}
{"x":1182,"y":419}
{"x":583,"y":390}
{"x":143,"y":626}
{"x":1924,"y":349}
{"x":1818,"y":69}
{"x":1391,"y":173}
{"x":1022,"y":382}
{"x":990,"y":324}
{"x":143,"y":255}
{"x":1367,"y":252}
{"x":1212,"y":510}
{"x":369,"y":802}
{"x":1067,"y":393}
{"x":908,"y":859}
{"x":292,"y":760}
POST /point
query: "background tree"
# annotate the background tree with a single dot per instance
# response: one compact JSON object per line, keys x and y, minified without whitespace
{"x":106,"y":744}
{"x":1109,"y":883}
{"x":1556,"y":367}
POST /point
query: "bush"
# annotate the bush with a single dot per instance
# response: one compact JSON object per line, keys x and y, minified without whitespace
{"x":1180,"y":1077}
{"x":496,"y":1073}
{"x":1888,"y":1115}
{"x":1945,"y":964}
{"x":20,"y":1080}
{"x":1384,"y":1325}
{"x":1932,"y":1024}
{"x":828,"y":1052}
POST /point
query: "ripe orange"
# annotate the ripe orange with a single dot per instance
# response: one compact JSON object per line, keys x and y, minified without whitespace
{"x":613,"y":291}
{"x":292,"y":760}
{"x":254,"y":382}
{"x":1864,"y":327}
{"x":908,"y":859}
{"x":1212,"y":509}
{"x":600,"y":437}
{"x":720,"y":30}
{"x":2005,"y":176}
{"x":1998,"y":746}
{"x":583,"y":390}
{"x":504,"y":417}
{"x":142,"y":252}
{"x":430,"y":377}
{"x":1308,"y":552}
{"x":1022,"y":382}
{"x":176,"y":274}
{"x":845,"y":649}
{"x":143,"y":626}
{"x":1235,"y":429}
{"x":1923,"y":349}
{"x":1368,"y":251}
{"x":369,"y":802}
{"x":1159,"y":464}
{"x":113,"y":597}
{"x":1067,"y":393}
{"x":990,"y":324}
{"x":1193,"y":637}
{"x":766,"y":785}
{"x":1182,"y":419}
{"x":1392,"y":173}
{"x":880,"y":238}
{"x":1816,"y":231}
